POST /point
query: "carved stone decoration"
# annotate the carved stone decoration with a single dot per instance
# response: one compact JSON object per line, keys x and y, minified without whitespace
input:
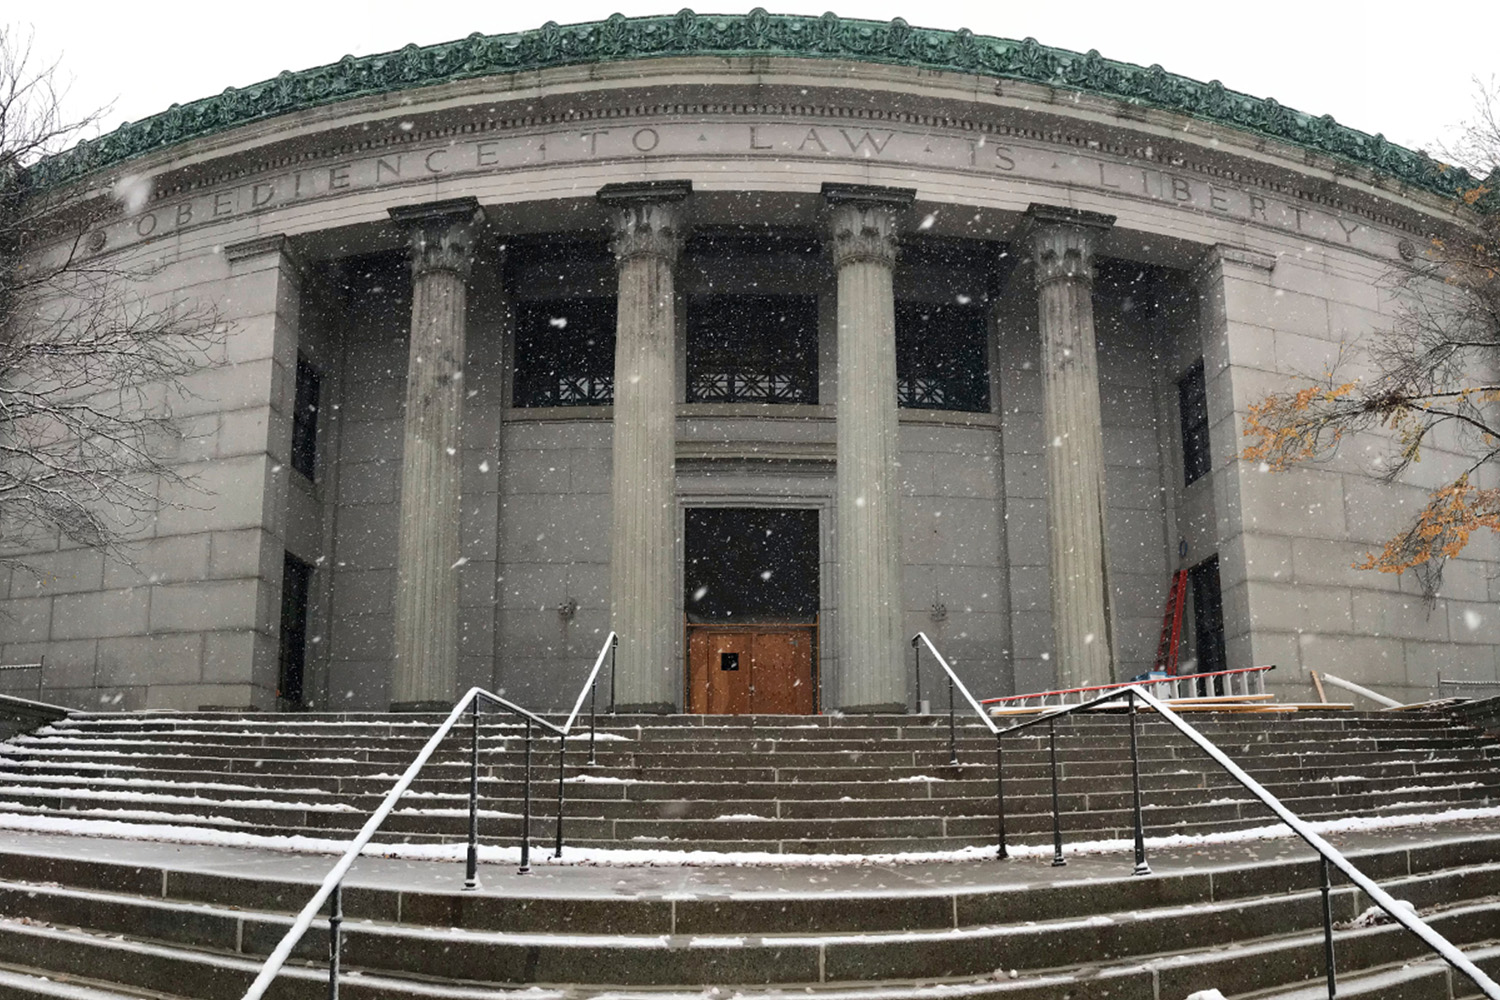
{"x":871,"y":673}
{"x":643,"y":568}
{"x":441,"y":237}
{"x":1061,"y":242}
{"x":758,"y":33}
{"x":649,"y":218}
{"x":862,"y":230}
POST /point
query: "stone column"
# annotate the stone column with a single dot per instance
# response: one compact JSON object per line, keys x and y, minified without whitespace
{"x":1061,"y":242}
{"x":424,"y":674}
{"x":643,"y":572}
{"x":872,"y":657}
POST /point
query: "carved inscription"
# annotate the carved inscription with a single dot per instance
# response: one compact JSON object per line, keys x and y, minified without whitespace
{"x":768,"y":140}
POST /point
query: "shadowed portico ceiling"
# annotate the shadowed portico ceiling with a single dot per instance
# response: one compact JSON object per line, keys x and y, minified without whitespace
{"x":758,"y":33}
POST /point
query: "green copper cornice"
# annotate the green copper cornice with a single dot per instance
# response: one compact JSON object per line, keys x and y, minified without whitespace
{"x":755,"y":34}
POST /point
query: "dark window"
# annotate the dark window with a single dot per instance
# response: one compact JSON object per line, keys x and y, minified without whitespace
{"x":752,"y":349}
{"x":942,"y":361}
{"x":751,"y":564}
{"x":1192,"y":403}
{"x":305,"y":418}
{"x":1208,"y":621}
{"x":565,"y":352}
{"x":296,"y":577}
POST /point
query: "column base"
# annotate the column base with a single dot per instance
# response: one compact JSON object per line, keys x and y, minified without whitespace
{"x":885,"y":708}
{"x":647,"y":708}
{"x":422,"y":706}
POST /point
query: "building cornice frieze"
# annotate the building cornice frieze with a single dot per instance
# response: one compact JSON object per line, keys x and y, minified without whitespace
{"x":621,"y":39}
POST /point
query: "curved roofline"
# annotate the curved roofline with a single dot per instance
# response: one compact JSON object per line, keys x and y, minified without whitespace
{"x":621,"y":39}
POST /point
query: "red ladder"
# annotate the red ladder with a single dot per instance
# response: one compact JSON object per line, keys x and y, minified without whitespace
{"x":1171,"y":625}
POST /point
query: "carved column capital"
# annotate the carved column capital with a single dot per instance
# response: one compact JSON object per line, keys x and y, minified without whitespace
{"x":863,"y":221}
{"x":649,"y":218}
{"x":441,"y":234}
{"x":1061,"y":242}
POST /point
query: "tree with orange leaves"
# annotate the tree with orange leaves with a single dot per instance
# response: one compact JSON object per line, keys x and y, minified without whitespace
{"x":1424,"y":375}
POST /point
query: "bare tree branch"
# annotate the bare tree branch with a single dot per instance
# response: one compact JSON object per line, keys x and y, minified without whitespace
{"x":1437,"y":367}
{"x":90,"y":360}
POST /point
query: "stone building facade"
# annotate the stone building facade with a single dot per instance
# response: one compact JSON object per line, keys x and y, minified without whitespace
{"x":537,"y":337}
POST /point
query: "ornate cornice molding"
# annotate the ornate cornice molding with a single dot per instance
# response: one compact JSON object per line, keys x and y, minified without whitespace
{"x":621,"y":39}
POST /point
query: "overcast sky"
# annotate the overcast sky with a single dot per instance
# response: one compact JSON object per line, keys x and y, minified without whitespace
{"x":1404,"y":69}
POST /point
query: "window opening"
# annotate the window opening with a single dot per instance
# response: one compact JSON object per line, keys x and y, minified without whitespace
{"x":942,"y":357}
{"x":565,"y":352}
{"x":752,"y":349}
{"x":296,"y":580}
{"x":305,"y":417}
{"x":751,"y":564}
{"x":1192,"y":404}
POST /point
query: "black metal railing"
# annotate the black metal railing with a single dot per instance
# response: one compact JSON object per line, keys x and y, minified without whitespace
{"x":330,"y":891}
{"x":1127,"y":697}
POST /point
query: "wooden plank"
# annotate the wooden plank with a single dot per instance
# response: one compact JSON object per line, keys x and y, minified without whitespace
{"x":1220,"y":698}
{"x":1318,"y":685}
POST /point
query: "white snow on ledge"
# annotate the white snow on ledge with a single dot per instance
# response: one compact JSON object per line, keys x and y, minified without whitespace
{"x":506,"y":854}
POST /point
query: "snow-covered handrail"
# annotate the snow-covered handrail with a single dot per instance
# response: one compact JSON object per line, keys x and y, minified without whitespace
{"x":973,"y":702}
{"x":1365,"y":692}
{"x":1328,"y":854}
{"x":333,"y":881}
{"x":917,"y":642}
{"x":608,"y":649}
{"x":336,"y":874}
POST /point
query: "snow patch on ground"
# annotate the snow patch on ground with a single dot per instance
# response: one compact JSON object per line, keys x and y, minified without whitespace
{"x":641,"y":857}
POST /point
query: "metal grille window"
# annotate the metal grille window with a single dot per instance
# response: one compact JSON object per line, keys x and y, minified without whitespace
{"x":565,"y":352}
{"x":942,"y":358}
{"x":305,"y":418}
{"x":1192,"y":402}
{"x":752,"y":349}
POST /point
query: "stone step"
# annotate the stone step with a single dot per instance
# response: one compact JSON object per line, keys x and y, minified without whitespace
{"x":772,"y":956}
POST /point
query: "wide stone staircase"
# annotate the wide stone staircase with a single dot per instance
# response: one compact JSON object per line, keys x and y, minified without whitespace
{"x":780,"y":784}
{"x":91,"y":919}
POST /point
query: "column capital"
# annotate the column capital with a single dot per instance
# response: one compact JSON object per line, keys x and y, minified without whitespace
{"x":649,"y":218}
{"x":441,"y":234}
{"x":1061,"y":241}
{"x":863,"y":221}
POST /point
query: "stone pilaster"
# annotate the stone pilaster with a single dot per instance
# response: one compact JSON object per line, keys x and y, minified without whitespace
{"x":872,"y":671}
{"x":643,"y":575}
{"x":424,"y":675}
{"x":1061,"y":243}
{"x":1235,"y":328}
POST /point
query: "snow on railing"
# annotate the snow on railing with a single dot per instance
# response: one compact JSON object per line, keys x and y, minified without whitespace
{"x":332,"y":884}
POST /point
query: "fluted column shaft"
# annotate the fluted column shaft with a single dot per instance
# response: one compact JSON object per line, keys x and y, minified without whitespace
{"x":871,"y":670}
{"x":643,"y":576}
{"x":425,"y":670}
{"x":1062,"y":246}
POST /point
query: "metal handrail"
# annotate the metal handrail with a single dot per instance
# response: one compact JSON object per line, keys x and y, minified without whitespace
{"x":332,"y":885}
{"x":1327,"y":853}
{"x":39,"y":666}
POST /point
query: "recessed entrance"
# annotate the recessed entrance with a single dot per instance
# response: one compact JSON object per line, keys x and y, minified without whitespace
{"x":751,"y":602}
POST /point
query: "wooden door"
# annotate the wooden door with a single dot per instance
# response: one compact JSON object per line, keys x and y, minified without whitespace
{"x":781,"y":673}
{"x":744,"y":671}
{"x":719,"y":672}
